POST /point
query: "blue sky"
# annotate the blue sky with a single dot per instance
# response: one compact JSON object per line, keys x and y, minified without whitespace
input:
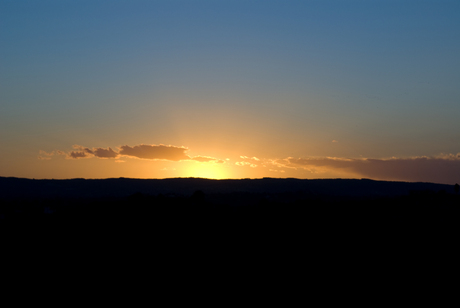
{"x":266,"y":79}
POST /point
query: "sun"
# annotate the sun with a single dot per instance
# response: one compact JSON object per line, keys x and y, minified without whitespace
{"x":206,"y":170}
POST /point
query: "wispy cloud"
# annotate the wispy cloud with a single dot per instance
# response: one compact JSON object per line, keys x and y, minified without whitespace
{"x":45,"y":155}
{"x":444,"y":168}
{"x":205,"y":159}
{"x":440,"y":169}
{"x":44,"y":158}
{"x":252,"y":162}
{"x":245,"y":163}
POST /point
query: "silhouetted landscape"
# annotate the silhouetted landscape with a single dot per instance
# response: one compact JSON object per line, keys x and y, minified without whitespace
{"x":226,"y":205}
{"x":258,"y":226}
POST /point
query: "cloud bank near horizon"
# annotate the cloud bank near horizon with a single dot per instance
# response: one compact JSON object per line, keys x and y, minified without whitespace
{"x":441,"y":169}
{"x":142,"y":151}
{"x":437,"y":169}
{"x":444,"y":168}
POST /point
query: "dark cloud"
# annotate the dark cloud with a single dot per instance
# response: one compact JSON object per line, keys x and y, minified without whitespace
{"x":84,"y":152}
{"x":78,"y":154}
{"x":155,"y":152}
{"x":104,"y":153}
{"x":80,"y":148}
{"x":444,"y":169}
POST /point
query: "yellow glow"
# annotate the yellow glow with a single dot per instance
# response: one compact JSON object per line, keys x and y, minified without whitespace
{"x":206,"y":170}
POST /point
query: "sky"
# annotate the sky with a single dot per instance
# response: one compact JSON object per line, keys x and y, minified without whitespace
{"x":230,"y":89}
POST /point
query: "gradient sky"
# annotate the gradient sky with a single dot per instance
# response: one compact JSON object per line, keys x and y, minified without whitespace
{"x":230,"y":89}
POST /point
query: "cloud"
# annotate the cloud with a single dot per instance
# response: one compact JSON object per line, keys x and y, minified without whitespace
{"x":252,"y":162}
{"x":163,"y":152}
{"x":142,"y":151}
{"x":251,"y":158}
{"x":45,"y":155}
{"x":205,"y":159}
{"x":84,"y":152}
{"x":245,"y":163}
{"x":242,"y":163}
{"x":105,"y":153}
{"x":146,"y":151}
{"x":442,"y":169}
{"x":78,"y":154}
{"x":82,"y":149}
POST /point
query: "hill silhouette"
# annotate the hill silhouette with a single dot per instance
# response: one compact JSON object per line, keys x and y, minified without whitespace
{"x":122,"y":187}
{"x":200,"y":220}
{"x":251,"y":203}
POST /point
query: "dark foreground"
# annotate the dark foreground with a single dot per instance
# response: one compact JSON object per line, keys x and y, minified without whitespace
{"x":269,"y":231}
{"x":277,"y":206}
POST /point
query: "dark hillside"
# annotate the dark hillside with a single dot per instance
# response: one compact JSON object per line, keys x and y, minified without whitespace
{"x":264,"y":203}
{"x":122,"y":187}
{"x":208,"y":221}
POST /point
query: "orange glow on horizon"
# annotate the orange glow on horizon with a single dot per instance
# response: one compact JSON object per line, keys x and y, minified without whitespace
{"x":207,"y":170}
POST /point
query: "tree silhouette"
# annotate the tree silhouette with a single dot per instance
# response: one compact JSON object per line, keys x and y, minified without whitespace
{"x":456,"y":188}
